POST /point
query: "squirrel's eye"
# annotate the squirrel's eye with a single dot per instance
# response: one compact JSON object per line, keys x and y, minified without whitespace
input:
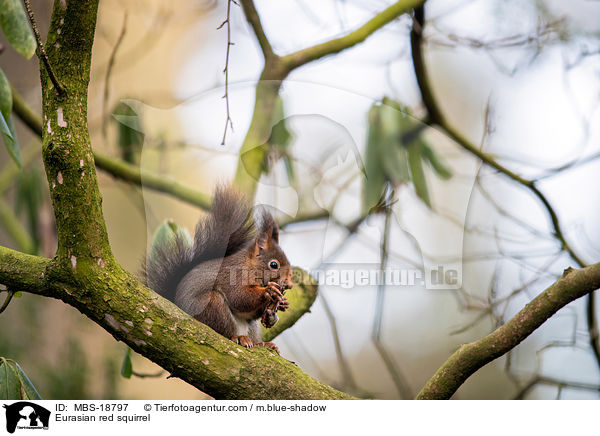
{"x":273,"y":264}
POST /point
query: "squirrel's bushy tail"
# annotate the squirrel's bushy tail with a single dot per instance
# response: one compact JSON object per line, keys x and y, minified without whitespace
{"x":225,"y":230}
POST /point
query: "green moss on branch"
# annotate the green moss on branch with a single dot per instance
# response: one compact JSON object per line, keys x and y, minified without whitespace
{"x":160,"y":331}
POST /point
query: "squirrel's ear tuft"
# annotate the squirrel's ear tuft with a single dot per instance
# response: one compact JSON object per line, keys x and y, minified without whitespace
{"x":268,"y":232}
{"x":275,"y":232}
{"x":263,"y":242}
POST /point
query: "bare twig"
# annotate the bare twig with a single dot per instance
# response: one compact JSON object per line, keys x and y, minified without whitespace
{"x":228,"y":121}
{"x":553,"y":382}
{"x":40,"y":50}
{"x":109,"y":68}
{"x":9,"y":296}
{"x":145,"y":375}
{"x":436,"y":118}
{"x":397,"y":376}
{"x":469,"y":358}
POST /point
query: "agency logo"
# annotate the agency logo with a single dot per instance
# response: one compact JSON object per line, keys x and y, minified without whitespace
{"x":26,"y":415}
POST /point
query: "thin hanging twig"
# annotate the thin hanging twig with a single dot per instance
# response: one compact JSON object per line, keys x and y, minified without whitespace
{"x":109,"y":68}
{"x":399,"y":380}
{"x":40,"y":50}
{"x":228,"y":121}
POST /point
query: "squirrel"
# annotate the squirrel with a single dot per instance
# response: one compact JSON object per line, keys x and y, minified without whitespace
{"x":233,"y":274}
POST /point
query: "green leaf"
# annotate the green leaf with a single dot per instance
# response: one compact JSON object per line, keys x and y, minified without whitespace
{"x":28,"y":391}
{"x":9,"y":136}
{"x":10,"y":385}
{"x":436,"y":162}
{"x":396,"y":163}
{"x":279,"y":141}
{"x":375,"y":178}
{"x":280,"y":135}
{"x":127,"y":367}
{"x":130,"y":132}
{"x":5,"y":95}
{"x":18,"y":294}
{"x":166,"y":233}
{"x":417,"y":173}
{"x":28,"y":199}
{"x":289,"y":168}
{"x":16,"y":28}
{"x":394,"y":158}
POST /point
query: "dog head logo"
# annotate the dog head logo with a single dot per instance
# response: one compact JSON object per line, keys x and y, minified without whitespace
{"x":26,"y":415}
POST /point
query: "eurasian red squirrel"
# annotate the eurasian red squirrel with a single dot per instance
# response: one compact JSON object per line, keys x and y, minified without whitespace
{"x":233,"y":274}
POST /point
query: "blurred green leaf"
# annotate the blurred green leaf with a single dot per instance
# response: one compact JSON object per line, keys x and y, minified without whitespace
{"x":436,"y":162}
{"x":280,"y":135}
{"x":417,"y":173}
{"x":130,"y":131}
{"x":18,"y":294}
{"x":127,"y":367}
{"x":165,"y":234}
{"x":16,"y":28}
{"x":279,"y":141}
{"x":29,"y":198}
{"x":28,"y":391}
{"x":5,"y":95}
{"x":289,"y":168}
{"x":395,"y":152}
{"x":394,"y":158}
{"x":9,"y":135}
{"x":7,"y":127}
{"x":10,"y":385}
{"x":375,"y":177}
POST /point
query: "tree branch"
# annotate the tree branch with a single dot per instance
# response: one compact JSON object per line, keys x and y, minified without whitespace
{"x":254,"y":20}
{"x":471,"y":357}
{"x":119,"y":168}
{"x":147,"y":179}
{"x":337,"y":45}
{"x":84,"y":273}
{"x":435,"y":117}
{"x":276,"y":69}
{"x":160,"y":331}
{"x":40,"y":49}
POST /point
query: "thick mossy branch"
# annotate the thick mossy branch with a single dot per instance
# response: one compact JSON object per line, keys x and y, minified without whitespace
{"x":84,"y":273}
{"x":160,"y":331}
{"x":66,"y":147}
{"x":23,"y":272}
{"x":469,"y":358}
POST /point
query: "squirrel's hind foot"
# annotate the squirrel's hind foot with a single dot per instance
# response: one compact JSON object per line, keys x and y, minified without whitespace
{"x":270,"y":345}
{"x":244,"y":341}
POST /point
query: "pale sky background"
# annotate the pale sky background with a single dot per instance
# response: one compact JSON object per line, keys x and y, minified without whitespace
{"x":543,"y":116}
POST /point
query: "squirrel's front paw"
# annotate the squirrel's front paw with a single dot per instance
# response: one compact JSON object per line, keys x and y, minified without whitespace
{"x":269,"y":318}
{"x":244,"y":341}
{"x":273,"y":292}
{"x":283,"y":305}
